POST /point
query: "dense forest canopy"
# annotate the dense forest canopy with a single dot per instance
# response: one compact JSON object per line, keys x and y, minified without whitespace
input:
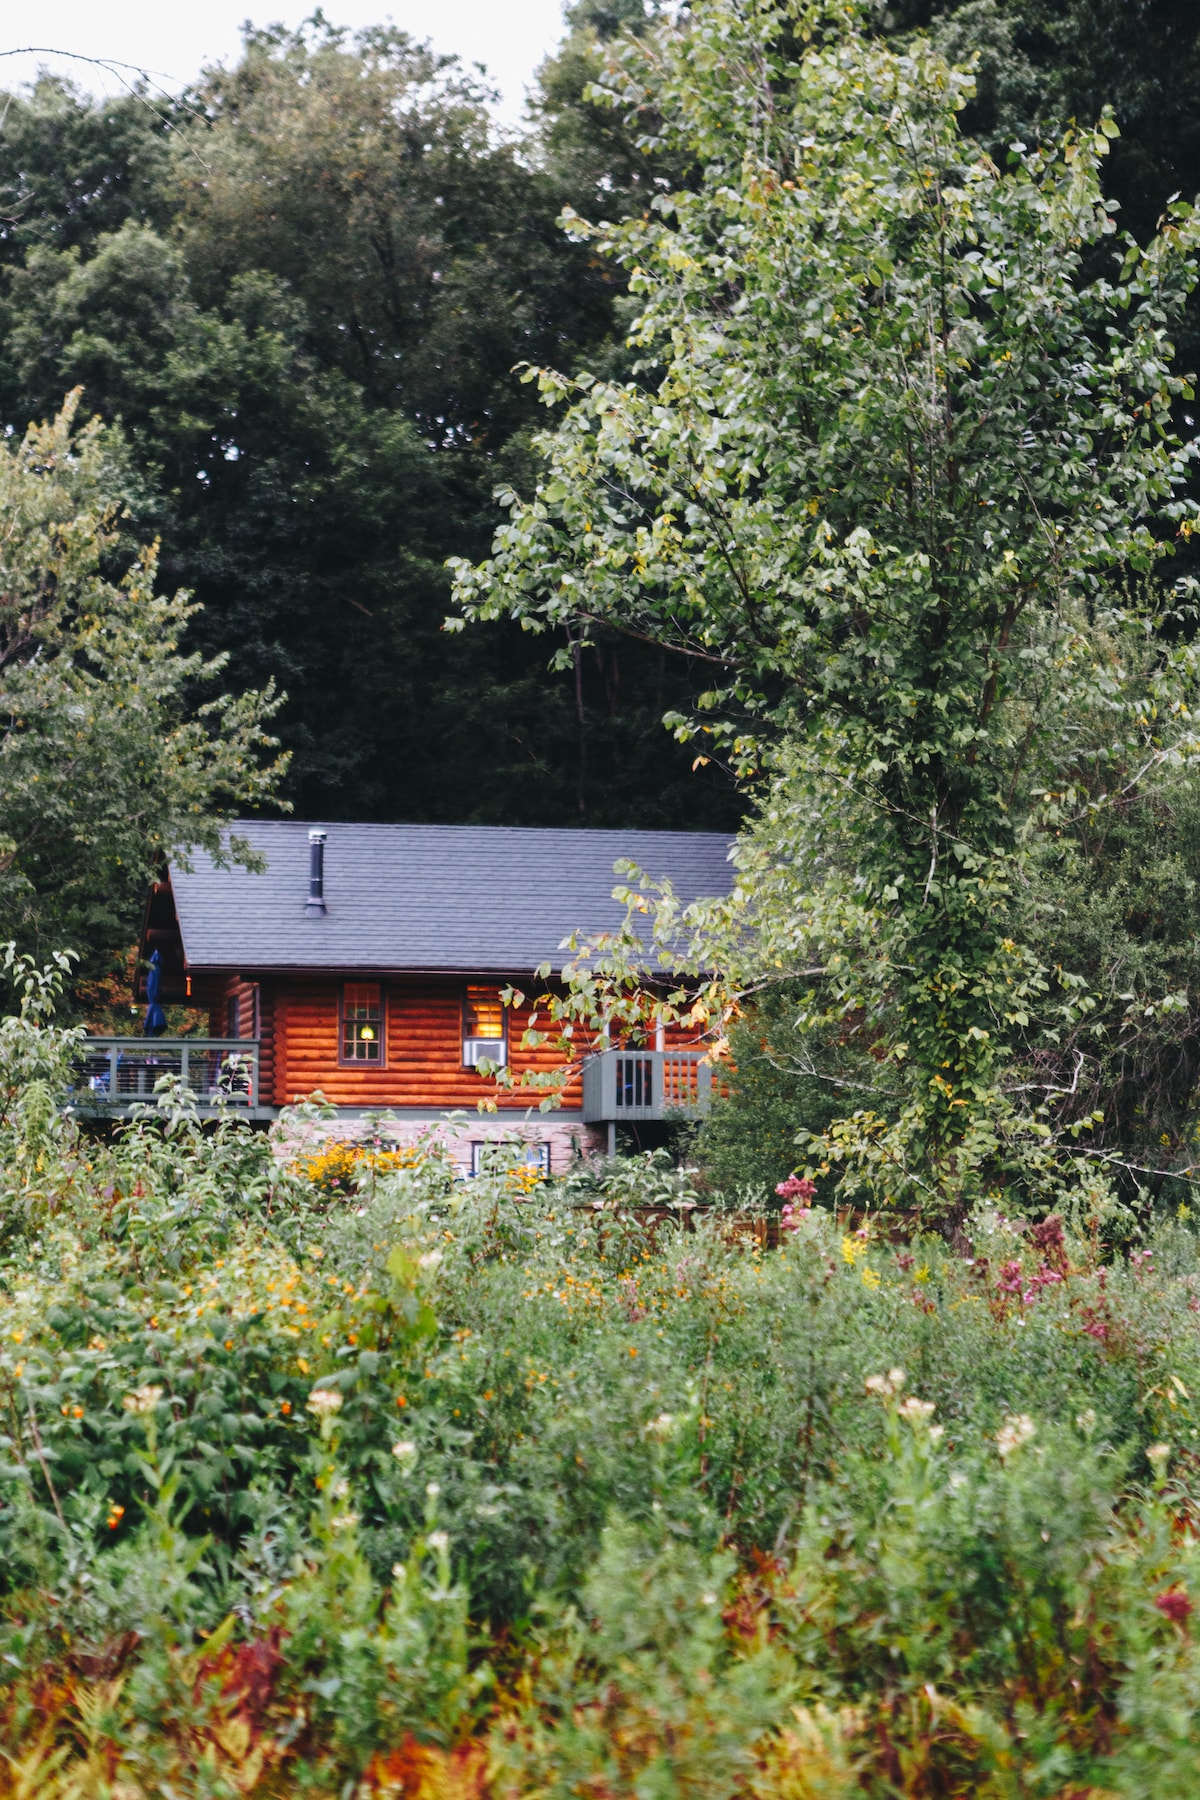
{"x":899,"y":462}
{"x":301,"y":289}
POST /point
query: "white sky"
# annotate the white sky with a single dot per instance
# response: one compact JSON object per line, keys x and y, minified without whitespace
{"x":173,"y":40}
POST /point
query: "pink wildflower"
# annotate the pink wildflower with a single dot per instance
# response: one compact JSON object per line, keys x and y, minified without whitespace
{"x":1174,"y":1604}
{"x":792,"y":1217}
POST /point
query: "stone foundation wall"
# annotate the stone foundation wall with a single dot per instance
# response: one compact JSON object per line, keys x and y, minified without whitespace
{"x":568,"y":1138}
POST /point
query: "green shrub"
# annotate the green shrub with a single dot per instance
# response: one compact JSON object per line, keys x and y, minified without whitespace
{"x":574,"y":1489}
{"x":747,"y":1143}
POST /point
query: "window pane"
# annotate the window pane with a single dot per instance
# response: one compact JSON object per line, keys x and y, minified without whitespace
{"x":485,"y":1014}
{"x":362,"y":1021}
{"x":489,"y":1156}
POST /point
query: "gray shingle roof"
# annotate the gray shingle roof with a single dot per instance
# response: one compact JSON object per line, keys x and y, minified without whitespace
{"x":461,"y":898}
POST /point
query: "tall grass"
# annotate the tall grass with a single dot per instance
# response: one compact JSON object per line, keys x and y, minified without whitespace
{"x":453,"y":1488}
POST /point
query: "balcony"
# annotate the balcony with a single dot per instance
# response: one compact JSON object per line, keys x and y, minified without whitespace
{"x":115,"y":1074}
{"x":632,"y":1085}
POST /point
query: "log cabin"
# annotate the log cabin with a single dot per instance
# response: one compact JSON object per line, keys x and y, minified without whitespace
{"x":366,"y":963}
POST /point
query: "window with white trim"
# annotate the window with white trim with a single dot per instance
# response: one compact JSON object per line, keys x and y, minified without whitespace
{"x":483,"y":1028}
{"x":533,"y":1156}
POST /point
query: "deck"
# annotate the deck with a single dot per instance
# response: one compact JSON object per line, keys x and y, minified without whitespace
{"x":633,"y":1085}
{"x":113,"y":1075}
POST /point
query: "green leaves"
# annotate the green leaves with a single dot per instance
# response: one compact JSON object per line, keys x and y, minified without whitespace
{"x":107,"y":761}
{"x":894,"y":436}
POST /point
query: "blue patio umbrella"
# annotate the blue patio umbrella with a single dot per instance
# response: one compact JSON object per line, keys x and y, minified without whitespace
{"x":155,"y":1022}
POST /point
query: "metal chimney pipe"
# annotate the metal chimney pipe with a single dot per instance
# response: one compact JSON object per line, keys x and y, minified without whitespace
{"x":315,"y":904}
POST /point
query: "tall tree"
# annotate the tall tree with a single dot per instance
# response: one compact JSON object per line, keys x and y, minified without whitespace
{"x":900,"y":466}
{"x":302,"y":298}
{"x":106,"y":762}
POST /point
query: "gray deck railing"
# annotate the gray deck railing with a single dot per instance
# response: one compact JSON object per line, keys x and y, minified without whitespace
{"x":644,"y":1084}
{"x":113,"y":1074}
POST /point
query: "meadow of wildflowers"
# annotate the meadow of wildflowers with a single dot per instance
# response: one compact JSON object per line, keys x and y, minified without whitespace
{"x":439,"y":1487}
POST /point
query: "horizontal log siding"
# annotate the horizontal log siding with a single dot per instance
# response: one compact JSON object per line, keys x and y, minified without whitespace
{"x":215,"y":992}
{"x":218,"y":993}
{"x":423,"y":1044}
{"x":266,"y":1041}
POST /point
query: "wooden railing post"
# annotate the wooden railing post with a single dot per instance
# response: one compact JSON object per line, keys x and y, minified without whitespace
{"x":644,"y":1084}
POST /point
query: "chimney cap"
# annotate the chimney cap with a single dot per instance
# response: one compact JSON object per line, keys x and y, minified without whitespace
{"x":317,"y":837}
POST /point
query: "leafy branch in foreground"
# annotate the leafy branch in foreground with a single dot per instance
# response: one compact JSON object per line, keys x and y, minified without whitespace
{"x":900,"y":460}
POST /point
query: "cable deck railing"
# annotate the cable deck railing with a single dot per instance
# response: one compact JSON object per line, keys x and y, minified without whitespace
{"x":114,"y":1074}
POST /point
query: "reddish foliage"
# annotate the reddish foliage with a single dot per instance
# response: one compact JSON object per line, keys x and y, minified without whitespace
{"x":1174,"y":1604}
{"x":423,"y":1772}
{"x":1048,"y":1239}
{"x":798,"y":1192}
{"x":247,"y":1674}
{"x":749,"y":1611}
{"x":102,"y":1665}
{"x":1096,"y":1318}
{"x":1014,"y":1286}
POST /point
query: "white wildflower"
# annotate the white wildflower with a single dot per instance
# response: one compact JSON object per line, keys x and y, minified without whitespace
{"x":344,"y":1521}
{"x":1016,"y":1430}
{"x":405,"y":1453}
{"x":886,"y":1386}
{"x":1158,"y":1456}
{"x":142,"y":1400}
{"x":325,"y":1402}
{"x":438,"y":1541}
{"x":917,"y":1411}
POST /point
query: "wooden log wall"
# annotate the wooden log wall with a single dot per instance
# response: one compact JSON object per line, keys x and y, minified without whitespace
{"x":299,"y":1020}
{"x":422,"y":1040}
{"x":216,"y":993}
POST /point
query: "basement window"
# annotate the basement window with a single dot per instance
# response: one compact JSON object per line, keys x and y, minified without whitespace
{"x":483,"y":1027}
{"x":485,"y":1160}
{"x":362,"y":1022}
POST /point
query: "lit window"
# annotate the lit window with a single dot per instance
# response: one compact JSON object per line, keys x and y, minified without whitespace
{"x":362,"y":1022}
{"x":483,"y":1027}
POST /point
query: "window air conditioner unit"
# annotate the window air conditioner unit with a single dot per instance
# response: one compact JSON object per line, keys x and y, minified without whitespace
{"x":476,"y":1050}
